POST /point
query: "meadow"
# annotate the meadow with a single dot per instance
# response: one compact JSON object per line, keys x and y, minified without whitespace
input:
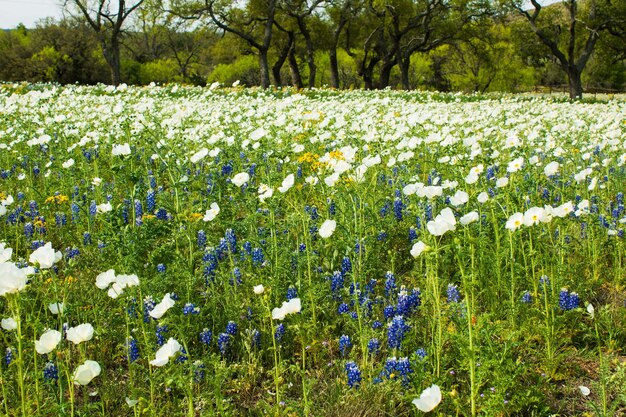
{"x":227,"y":251}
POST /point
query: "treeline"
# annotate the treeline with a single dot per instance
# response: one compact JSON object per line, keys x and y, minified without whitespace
{"x":464,"y":45}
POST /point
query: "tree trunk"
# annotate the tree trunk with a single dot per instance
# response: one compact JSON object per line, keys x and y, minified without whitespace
{"x":281,"y":61}
{"x":264,"y":72}
{"x":296,"y":79}
{"x":111,"y":53}
{"x":385,"y":74}
{"x":334,"y":67}
{"x":575,"y":84}
{"x":404,"y":65}
{"x":310,"y":56}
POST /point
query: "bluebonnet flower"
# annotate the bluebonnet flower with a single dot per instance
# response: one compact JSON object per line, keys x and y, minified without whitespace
{"x":404,"y":369}
{"x":353,"y":374}
{"x":346,"y":265}
{"x":247,"y":247}
{"x":148,"y":306}
{"x":390,"y":283}
{"x":428,"y":212}
{"x":389,"y":312}
{"x":125,"y":209}
{"x":408,"y":302}
{"x":344,"y":344}
{"x":132,"y":350}
{"x":412,"y":234}
{"x":223,"y":343}
{"x":182,"y":357}
{"x":292,"y":293}
{"x":396,"y":331}
{"x":236,"y":277}
{"x":373,"y":346}
{"x":36,"y":244}
{"x":527,"y":297}
{"x":227,"y":168}
{"x":382,"y":236}
{"x":161,"y":214}
{"x":198,"y":371}
{"x":93,"y":208}
{"x":384,"y":210}
{"x":231,"y":328}
{"x":161,"y":268}
{"x":257,"y":256}
{"x":331,"y":207}
{"x":568,"y":301}
{"x":50,"y":372}
{"x":453,"y":293}
{"x":302,"y":247}
{"x":343,"y":308}
{"x":201,"y":239}
{"x":71,"y":253}
{"x":279,"y":333}
{"x":377,"y":325}
{"x":60,"y":219}
{"x":138,"y":209}
{"x":86,"y":239}
{"x":190,"y":308}
{"x":398,"y":207}
{"x":8,"y":356}
{"x":206,"y":336}
{"x":29,"y":230}
{"x":336,"y":283}
{"x":151,"y":201}
{"x":358,"y":247}
{"x":160,"y":334}
{"x":231,"y":240}
{"x":421,"y":353}
{"x":255,"y":337}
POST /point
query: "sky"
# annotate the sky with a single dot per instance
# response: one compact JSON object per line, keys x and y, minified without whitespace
{"x":28,"y":12}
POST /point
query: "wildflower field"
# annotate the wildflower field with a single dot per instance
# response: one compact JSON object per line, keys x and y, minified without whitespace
{"x":225,"y":252}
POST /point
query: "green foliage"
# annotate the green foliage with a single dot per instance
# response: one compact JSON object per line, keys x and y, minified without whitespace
{"x":245,"y":69}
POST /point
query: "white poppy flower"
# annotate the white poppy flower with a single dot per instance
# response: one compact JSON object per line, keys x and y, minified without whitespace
{"x":212,"y":212}
{"x":429,"y":399}
{"x":288,"y":307}
{"x":287,"y":183}
{"x":515,"y":222}
{"x":81,"y":333}
{"x":120,"y":150}
{"x":12,"y":278}
{"x":258,"y":289}
{"x":419,"y":248}
{"x":240,"y":179}
{"x":327,"y":228}
{"x":45,"y":256}
{"x":86,"y":372}
{"x":162,"y":307}
{"x":9,"y":324}
{"x":56,"y":308}
{"x":198,"y":156}
{"x":48,"y":341}
{"x":165,"y":352}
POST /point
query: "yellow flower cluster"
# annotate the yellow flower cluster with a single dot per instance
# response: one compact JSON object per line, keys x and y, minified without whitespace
{"x":57,"y":199}
{"x":308,"y":157}
{"x":195,"y":216}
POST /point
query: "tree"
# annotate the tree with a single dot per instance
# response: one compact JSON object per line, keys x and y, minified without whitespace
{"x":572,"y":38}
{"x":252,"y":21}
{"x":340,"y":13}
{"x":106,"y":18}
{"x":300,"y":11}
